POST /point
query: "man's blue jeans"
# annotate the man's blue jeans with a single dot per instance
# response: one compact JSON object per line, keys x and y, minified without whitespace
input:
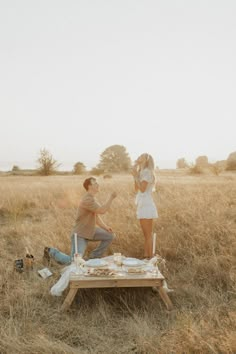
{"x":100,"y":235}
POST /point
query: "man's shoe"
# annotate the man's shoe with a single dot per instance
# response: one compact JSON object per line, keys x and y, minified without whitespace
{"x":46,"y":256}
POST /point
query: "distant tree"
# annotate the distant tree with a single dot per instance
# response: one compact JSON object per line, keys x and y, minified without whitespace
{"x":195,"y":170}
{"x":231,"y":162}
{"x":202,"y":161}
{"x":79,"y":168}
{"x":115,"y":159}
{"x":47,"y":164}
{"x":181,"y":163}
{"x":96,"y":171}
{"x":201,"y":166}
{"x":218,"y":167}
{"x":15,"y":168}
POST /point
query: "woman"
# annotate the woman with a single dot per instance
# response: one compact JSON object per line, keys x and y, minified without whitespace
{"x":144,"y":178}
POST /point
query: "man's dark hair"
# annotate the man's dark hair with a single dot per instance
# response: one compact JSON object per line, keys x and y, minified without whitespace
{"x":88,"y":183}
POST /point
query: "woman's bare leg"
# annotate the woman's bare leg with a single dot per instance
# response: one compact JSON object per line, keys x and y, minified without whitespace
{"x":147,"y":228}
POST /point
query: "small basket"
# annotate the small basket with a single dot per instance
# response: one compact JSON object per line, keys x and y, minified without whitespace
{"x":19,"y":265}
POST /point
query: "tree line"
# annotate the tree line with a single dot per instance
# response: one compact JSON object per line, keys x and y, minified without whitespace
{"x":115,"y":158}
{"x":202,"y":164}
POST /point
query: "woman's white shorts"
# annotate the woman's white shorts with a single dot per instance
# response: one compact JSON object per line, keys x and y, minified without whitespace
{"x":146,"y":208}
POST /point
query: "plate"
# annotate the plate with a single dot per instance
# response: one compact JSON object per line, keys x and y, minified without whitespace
{"x":133,"y":262}
{"x":95,"y":263}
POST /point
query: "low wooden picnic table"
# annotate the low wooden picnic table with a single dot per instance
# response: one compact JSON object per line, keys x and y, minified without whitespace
{"x":128,"y":280}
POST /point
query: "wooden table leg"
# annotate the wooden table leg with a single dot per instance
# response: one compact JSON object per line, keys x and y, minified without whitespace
{"x":69,"y":298}
{"x":165,"y":298}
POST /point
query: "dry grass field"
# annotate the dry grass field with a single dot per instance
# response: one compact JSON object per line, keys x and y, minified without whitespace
{"x":196,"y":234}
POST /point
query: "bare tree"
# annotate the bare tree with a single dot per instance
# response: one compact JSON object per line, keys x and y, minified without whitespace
{"x":47,"y":164}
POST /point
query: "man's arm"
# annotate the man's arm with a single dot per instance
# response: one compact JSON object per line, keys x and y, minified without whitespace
{"x":101,"y":223}
{"x":103,"y":208}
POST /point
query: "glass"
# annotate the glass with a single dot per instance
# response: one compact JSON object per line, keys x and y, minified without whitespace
{"x":118,"y":259}
{"x":118,"y":262}
{"x":152,"y":266}
{"x":78,"y":260}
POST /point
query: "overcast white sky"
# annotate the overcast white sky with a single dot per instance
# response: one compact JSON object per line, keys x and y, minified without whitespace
{"x":155,"y":76}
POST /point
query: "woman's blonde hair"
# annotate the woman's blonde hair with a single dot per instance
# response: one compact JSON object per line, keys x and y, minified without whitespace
{"x":149,"y":163}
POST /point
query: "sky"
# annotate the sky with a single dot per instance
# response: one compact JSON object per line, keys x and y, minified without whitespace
{"x":154,"y":76}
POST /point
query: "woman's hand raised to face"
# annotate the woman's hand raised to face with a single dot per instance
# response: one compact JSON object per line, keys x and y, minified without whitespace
{"x":134,"y":170}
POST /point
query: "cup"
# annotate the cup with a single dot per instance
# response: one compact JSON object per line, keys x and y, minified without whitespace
{"x":78,"y":262}
{"x":118,"y":259}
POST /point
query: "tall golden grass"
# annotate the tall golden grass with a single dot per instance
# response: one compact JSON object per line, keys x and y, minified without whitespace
{"x":196,"y":234}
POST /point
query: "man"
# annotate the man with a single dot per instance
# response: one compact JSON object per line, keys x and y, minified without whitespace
{"x":89,"y":226}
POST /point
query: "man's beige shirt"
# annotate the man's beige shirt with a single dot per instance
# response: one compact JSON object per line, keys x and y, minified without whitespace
{"x":86,"y":217}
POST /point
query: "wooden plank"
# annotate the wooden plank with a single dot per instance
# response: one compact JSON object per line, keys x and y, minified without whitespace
{"x":165,"y":298}
{"x":114,"y":283}
{"x":69,"y":299}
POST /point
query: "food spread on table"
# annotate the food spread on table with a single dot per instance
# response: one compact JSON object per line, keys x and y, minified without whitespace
{"x":117,"y":265}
